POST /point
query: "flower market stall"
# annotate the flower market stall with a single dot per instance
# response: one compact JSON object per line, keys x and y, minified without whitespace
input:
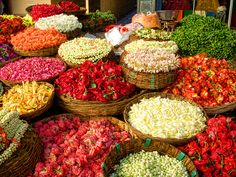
{"x":132,"y":102}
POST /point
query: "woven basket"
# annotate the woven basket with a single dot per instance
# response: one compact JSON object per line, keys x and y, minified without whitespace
{"x":173,"y":141}
{"x":152,"y":81}
{"x":96,"y":108}
{"x":9,"y":61}
{"x":137,"y":145}
{"x":73,"y":34}
{"x":220,"y":109}
{"x":38,"y":53}
{"x":50,"y":80}
{"x":110,"y":56}
{"x":122,"y":125}
{"x":25,"y":158}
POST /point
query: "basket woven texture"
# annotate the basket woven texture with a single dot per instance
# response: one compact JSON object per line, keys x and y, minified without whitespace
{"x":110,"y":56}
{"x":152,"y":81}
{"x":50,"y":80}
{"x":38,"y":53}
{"x":96,"y":108}
{"x":173,"y":141}
{"x":25,"y":158}
{"x":9,"y":61}
{"x":137,"y":145}
{"x":38,"y":112}
{"x":220,"y":109}
{"x":122,"y":125}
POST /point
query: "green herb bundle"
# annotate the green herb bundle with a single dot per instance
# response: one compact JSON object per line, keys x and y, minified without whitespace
{"x":198,"y":34}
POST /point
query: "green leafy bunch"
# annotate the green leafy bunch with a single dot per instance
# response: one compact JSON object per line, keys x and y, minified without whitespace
{"x":199,"y":34}
{"x":106,"y":16}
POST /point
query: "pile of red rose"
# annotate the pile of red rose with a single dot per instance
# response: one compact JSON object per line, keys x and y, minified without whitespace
{"x":9,"y":27}
{"x":101,"y":81}
{"x":69,"y":6}
{"x":214,"y":151}
{"x":29,"y":69}
{"x":208,"y":81}
{"x":76,"y":148}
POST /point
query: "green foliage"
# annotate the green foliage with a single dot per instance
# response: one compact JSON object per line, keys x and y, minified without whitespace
{"x":106,"y":16}
{"x":198,"y":34}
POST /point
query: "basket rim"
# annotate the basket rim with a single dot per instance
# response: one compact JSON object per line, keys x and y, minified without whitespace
{"x":154,"y":94}
{"x":11,"y":83}
{"x":122,"y":152}
{"x":40,"y":50}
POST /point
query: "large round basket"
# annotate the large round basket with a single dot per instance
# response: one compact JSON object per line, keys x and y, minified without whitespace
{"x":29,"y":116}
{"x":50,"y":80}
{"x":173,"y":141}
{"x":122,"y":125}
{"x":96,"y":108}
{"x":110,"y":56}
{"x":38,"y":53}
{"x":136,"y":145}
{"x":23,"y":161}
{"x":73,"y":34}
{"x":143,"y":80}
{"x":220,"y":109}
{"x":9,"y":61}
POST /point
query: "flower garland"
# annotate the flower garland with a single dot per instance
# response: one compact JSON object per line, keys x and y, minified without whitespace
{"x":166,"y":118}
{"x":62,"y":23}
{"x":33,"y":39}
{"x":168,"y":46}
{"x":81,"y":49}
{"x":151,"y":61}
{"x":14,"y":129}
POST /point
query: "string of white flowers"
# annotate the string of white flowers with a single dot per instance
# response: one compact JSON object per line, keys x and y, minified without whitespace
{"x":152,"y":61}
{"x":166,"y":118}
{"x":62,"y":22}
{"x":147,"y":164}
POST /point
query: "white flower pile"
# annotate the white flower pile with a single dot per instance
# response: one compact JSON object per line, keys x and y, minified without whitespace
{"x":166,"y":118}
{"x":150,"y":164}
{"x":62,"y":22}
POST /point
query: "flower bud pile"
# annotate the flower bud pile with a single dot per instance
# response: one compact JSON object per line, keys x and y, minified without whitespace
{"x":166,"y":118}
{"x":150,"y":164}
{"x":30,"y":69}
{"x":6,"y":53}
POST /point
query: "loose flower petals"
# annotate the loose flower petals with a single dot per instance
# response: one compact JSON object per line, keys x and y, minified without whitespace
{"x":166,"y":118}
{"x":69,"y":6}
{"x":76,"y":148}
{"x":94,"y":82}
{"x":29,"y":69}
{"x":33,"y":39}
{"x":214,"y":151}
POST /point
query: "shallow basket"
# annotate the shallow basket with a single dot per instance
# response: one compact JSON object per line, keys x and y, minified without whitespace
{"x":38,"y":53}
{"x":73,"y":34}
{"x":96,"y":108}
{"x":173,"y":141}
{"x":220,"y":109}
{"x":9,"y":61}
{"x":23,"y":161}
{"x":110,"y":56}
{"x":122,"y":125}
{"x":50,"y":80}
{"x":143,"y":80}
{"x":136,"y":145}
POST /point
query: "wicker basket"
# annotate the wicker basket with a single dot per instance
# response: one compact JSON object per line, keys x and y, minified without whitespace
{"x":110,"y":56}
{"x":9,"y":61}
{"x":38,"y":53}
{"x":50,"y":80}
{"x":73,"y":34}
{"x":173,"y":141}
{"x":95,"y":108}
{"x":122,"y":125}
{"x":25,"y":158}
{"x":137,"y":145}
{"x":147,"y":80}
{"x":220,"y":109}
